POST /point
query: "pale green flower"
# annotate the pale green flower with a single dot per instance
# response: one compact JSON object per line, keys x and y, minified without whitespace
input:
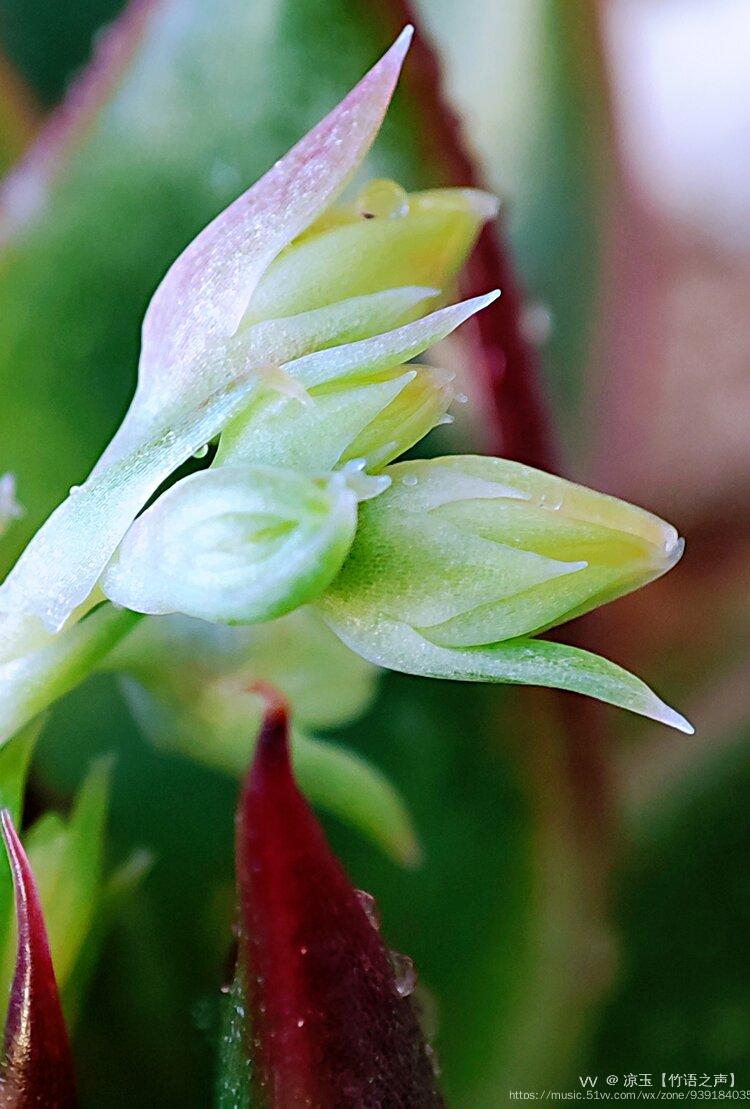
{"x":287,"y":330}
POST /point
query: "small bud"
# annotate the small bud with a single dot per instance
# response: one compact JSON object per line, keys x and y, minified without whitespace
{"x":462,"y":557}
{"x":477,"y":550}
{"x":236,"y":544}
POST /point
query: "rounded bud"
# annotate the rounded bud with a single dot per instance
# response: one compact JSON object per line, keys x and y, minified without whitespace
{"x":236,"y":544}
{"x":472,"y":551}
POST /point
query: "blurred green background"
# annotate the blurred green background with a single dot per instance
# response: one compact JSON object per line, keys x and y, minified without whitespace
{"x":585,"y":897}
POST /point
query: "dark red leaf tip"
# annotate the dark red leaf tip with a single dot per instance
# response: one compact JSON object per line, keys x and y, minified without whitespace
{"x":273,"y":740}
{"x":331,"y":1021}
{"x":37,"y":1068}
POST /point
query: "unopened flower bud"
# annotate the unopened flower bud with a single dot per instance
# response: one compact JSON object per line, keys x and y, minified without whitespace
{"x":237,"y":544}
{"x":463,"y":558}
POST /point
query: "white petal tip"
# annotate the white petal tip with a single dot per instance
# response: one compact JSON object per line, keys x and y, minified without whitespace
{"x":487,"y":299}
{"x":673,"y":719}
{"x":674,"y":549}
{"x":394,"y":56}
{"x":485,"y":205}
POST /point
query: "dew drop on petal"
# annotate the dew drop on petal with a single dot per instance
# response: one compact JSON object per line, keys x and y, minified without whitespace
{"x":382,"y":199}
{"x":406,"y":975}
{"x":410,"y":479}
{"x":431,"y":1054}
{"x":536,"y":324}
{"x":370,"y":907}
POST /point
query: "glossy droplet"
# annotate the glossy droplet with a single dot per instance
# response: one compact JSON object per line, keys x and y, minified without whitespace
{"x":536,"y":324}
{"x":202,"y":451}
{"x":406,"y":975}
{"x":410,"y":479}
{"x":433,"y":1058}
{"x":370,"y":906}
{"x":382,"y":199}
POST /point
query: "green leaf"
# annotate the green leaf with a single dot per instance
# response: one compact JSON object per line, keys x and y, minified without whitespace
{"x":14,"y":766}
{"x":351,"y":788}
{"x":67,"y":860}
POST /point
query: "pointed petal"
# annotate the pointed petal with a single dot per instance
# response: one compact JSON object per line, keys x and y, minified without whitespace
{"x":207,"y":290}
{"x":38,"y":1067}
{"x":399,"y":646}
{"x":330,"y":1025}
{"x":345,"y":365}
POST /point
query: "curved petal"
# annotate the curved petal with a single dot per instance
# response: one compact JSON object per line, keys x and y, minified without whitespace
{"x":398,"y":646}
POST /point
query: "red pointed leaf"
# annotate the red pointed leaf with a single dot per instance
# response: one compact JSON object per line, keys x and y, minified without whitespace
{"x":329,"y":1019}
{"x":38,"y":1068}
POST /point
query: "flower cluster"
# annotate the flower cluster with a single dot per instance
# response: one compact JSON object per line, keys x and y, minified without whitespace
{"x":285,"y":334}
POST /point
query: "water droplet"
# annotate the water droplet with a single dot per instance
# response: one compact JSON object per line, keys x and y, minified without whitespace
{"x":382,"y":199}
{"x":224,"y":178}
{"x":462,"y":398}
{"x":406,"y":975}
{"x":410,"y":479}
{"x":431,"y":1054}
{"x":303,"y":950}
{"x":201,"y":452}
{"x":370,"y":907}
{"x":552,"y":504}
{"x":74,"y":489}
{"x":446,"y":419}
{"x":536,"y":323}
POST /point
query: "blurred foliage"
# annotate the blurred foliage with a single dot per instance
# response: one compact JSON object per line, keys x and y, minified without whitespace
{"x":684,"y":908}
